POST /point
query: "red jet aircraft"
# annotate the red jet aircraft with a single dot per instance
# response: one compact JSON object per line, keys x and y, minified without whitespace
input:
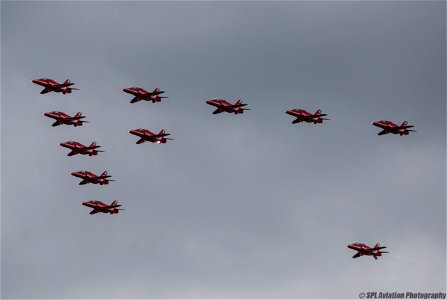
{"x":305,"y":116}
{"x":63,"y":118}
{"x":89,"y":177}
{"x":142,"y":94}
{"x":390,"y":127}
{"x":78,"y":148}
{"x":53,"y":86}
{"x":225,"y":106}
{"x":363,"y":249}
{"x":148,"y":136}
{"x":99,"y":206}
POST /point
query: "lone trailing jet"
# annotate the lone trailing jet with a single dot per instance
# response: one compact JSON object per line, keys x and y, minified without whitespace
{"x":363,"y":249}
{"x":78,"y":148}
{"x":53,"y":86}
{"x":89,"y":177}
{"x":305,"y":116}
{"x":63,"y":118}
{"x":99,"y":206}
{"x":148,"y":136}
{"x":142,"y":94}
{"x":225,"y":106}
{"x":390,"y":127}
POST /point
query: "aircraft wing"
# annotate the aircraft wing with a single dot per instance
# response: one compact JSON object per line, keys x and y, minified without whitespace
{"x":235,"y":105}
{"x":90,"y":148}
{"x":374,"y":249}
{"x":94,"y":212}
{"x":62,"y":85}
{"x":73,"y":118}
{"x":156,"y":136}
{"x":358,"y":254}
{"x":112,"y":206}
{"x":312,"y":116}
{"x":135,"y":99}
{"x":45,"y":91}
{"x":377,"y":248}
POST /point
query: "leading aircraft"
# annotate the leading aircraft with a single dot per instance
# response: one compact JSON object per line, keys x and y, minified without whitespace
{"x":63,"y":118}
{"x":390,"y":127}
{"x":78,"y":148}
{"x":363,"y":249}
{"x":225,"y":106}
{"x":302,"y":115}
{"x":51,"y":85}
{"x":148,"y":136}
{"x":89,"y":177}
{"x":142,"y":94}
{"x":99,"y":206}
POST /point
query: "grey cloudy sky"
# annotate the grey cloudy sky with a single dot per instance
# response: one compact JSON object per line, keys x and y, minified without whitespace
{"x":247,"y":206}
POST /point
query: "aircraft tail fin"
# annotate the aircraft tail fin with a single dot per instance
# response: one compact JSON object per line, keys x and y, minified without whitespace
{"x":67,"y":81}
{"x":404,"y":123}
{"x":114,"y":203}
{"x":79,"y":114}
{"x":318,"y":112}
{"x":162,"y":132}
{"x":103,"y":174}
{"x":377,"y":245}
{"x":238,"y":102}
{"x":156,"y":90}
{"x":93,"y":144}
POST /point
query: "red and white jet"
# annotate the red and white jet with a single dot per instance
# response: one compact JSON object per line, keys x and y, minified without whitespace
{"x":363,"y":249}
{"x":99,"y":206}
{"x":390,"y":127}
{"x":142,"y":94}
{"x":89,"y":177}
{"x":53,"y":86}
{"x":78,"y":148}
{"x":304,"y":116}
{"x":225,"y":106}
{"x":148,"y":136}
{"x":63,"y":118}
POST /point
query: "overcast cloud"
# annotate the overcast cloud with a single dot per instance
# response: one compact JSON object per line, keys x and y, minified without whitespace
{"x":246,"y":206}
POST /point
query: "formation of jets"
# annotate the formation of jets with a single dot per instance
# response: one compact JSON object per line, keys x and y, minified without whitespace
{"x":221,"y":105}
